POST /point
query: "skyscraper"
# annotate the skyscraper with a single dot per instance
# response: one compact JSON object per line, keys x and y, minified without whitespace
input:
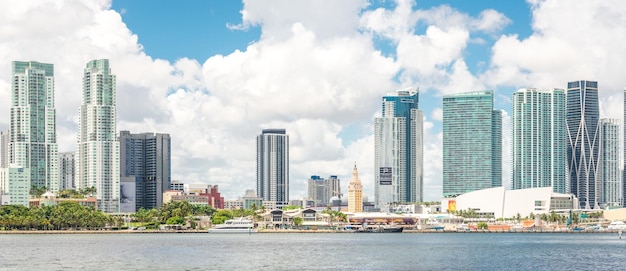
{"x":610,"y":189}
{"x":539,"y":139}
{"x":583,"y":141}
{"x":472,"y":143}
{"x":398,"y":150}
{"x":97,"y":149}
{"x":146,"y":157}
{"x":321,"y":190}
{"x":355,"y":193}
{"x":272,"y":166}
{"x":623,"y":199}
{"x":32,"y":136}
{"x":4,"y":149}
{"x":67,"y":167}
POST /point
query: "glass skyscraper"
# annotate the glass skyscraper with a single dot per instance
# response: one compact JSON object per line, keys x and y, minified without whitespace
{"x":583,"y":141}
{"x":610,"y":173}
{"x":97,"y":150}
{"x":32,"y":135}
{"x":398,"y":150}
{"x":539,"y":140}
{"x":146,"y":157}
{"x":272,"y":166}
{"x":623,"y":199}
{"x":472,"y":143}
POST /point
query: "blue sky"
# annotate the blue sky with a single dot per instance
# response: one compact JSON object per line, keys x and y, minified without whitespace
{"x":199,"y":29}
{"x":213,"y":74}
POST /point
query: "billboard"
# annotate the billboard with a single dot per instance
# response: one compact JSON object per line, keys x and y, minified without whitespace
{"x":127,"y":197}
{"x":452,"y":205}
{"x":385,"y":175}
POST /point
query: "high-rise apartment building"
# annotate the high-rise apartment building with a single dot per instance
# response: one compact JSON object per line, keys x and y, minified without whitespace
{"x":355,"y":193}
{"x":97,"y":150}
{"x":321,"y":190}
{"x":67,"y":166}
{"x":146,"y":157}
{"x":272,"y":166}
{"x":583,"y":148}
{"x":32,"y":135}
{"x":539,"y":140}
{"x":623,"y":200}
{"x":4,"y":149}
{"x":472,"y":143}
{"x":398,"y":150}
{"x":610,"y":188}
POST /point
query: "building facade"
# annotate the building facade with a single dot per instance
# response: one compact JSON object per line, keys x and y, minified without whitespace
{"x":472,"y":143}
{"x":147,"y":158}
{"x":623,"y":200}
{"x":583,"y":141}
{"x":97,"y":149}
{"x":272,"y":166}
{"x":321,"y":190}
{"x":398,"y":150}
{"x":4,"y":149}
{"x":539,"y":140}
{"x":355,"y":193}
{"x":32,"y":135}
{"x":67,"y":166}
{"x":610,"y":187}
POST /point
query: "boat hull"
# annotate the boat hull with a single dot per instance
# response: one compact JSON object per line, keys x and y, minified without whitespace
{"x":213,"y":230}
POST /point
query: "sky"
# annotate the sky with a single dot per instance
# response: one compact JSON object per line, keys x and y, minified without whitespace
{"x":213,"y":74}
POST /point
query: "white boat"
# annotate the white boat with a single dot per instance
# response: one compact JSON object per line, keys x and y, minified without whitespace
{"x":239,"y":225}
{"x":617,"y":225}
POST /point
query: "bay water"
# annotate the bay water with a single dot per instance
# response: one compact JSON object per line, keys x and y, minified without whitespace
{"x":313,"y":251}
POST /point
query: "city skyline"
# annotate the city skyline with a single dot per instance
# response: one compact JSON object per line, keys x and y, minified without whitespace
{"x":214,"y":74}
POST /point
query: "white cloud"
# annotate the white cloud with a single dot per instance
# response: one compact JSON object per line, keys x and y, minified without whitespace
{"x":314,"y":71}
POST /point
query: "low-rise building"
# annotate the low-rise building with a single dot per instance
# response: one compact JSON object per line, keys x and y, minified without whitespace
{"x":500,"y":203}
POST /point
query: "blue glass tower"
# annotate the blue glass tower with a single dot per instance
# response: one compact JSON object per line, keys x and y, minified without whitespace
{"x":472,"y":143}
{"x":398,"y":150}
{"x":583,"y":141}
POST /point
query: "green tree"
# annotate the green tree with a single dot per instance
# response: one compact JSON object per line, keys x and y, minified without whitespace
{"x":482,"y":225}
{"x":175,"y":220}
{"x":37,"y":191}
{"x":297,"y":221}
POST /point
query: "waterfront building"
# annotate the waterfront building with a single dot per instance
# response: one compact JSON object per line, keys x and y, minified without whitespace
{"x":32,"y":134}
{"x":583,"y":141}
{"x":50,"y":199}
{"x":497,"y":202}
{"x":67,"y":167}
{"x":272,"y":166}
{"x":610,"y":172}
{"x":472,"y":143}
{"x":539,"y":141}
{"x":355,"y":193}
{"x":4,"y":149}
{"x":398,"y":150}
{"x":320,"y":190}
{"x":97,"y":149}
{"x":147,"y":158}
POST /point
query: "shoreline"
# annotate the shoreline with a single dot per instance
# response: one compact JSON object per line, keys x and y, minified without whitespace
{"x":285,"y":231}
